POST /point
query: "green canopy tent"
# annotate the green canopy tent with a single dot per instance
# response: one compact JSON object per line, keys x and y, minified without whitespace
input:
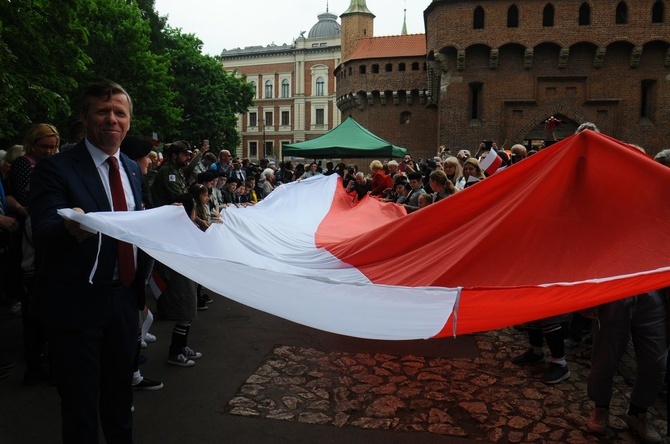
{"x":349,"y":139}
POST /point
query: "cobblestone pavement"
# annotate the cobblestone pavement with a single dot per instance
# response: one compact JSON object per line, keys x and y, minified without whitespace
{"x":488,"y":398}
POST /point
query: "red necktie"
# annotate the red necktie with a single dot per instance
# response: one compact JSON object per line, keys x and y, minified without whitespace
{"x":126,"y":254}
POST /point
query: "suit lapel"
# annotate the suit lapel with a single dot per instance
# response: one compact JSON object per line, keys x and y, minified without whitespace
{"x":85,"y":168}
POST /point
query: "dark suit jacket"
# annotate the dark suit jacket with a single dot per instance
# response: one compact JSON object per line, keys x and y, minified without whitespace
{"x":64,"y":295}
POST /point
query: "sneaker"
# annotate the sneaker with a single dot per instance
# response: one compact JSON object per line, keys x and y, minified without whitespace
{"x":190,"y":353}
{"x":641,"y":427}
{"x":148,"y":384}
{"x":206,"y":299}
{"x":556,"y":373}
{"x":149,"y":338}
{"x":202,"y":306}
{"x":598,"y":421}
{"x":143,"y":344}
{"x":529,"y":357}
{"x":180,"y":360}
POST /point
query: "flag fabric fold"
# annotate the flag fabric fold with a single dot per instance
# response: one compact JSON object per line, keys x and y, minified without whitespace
{"x":584,"y":222}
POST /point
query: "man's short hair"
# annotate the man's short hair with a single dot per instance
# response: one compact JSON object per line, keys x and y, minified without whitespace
{"x":663,"y":157}
{"x":415,"y":176}
{"x":587,"y":126}
{"x":105,"y":89}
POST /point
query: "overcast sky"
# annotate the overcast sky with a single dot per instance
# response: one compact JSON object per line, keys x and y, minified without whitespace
{"x":230,"y":24}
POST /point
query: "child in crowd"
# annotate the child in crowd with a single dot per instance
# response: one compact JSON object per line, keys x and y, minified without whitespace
{"x":425,"y":199}
{"x":204,"y":215}
{"x":251,"y":193}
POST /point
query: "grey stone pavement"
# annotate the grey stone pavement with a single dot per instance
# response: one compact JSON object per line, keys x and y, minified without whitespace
{"x":266,"y":380}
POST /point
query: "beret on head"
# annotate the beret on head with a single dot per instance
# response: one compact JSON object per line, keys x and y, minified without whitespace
{"x":205,"y":176}
{"x":136,"y":147}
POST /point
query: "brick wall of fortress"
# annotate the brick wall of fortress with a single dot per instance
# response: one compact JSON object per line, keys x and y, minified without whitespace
{"x":526,"y":74}
{"x":394,"y":105}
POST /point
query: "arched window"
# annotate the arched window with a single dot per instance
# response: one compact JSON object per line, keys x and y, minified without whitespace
{"x":621,"y":13}
{"x":584,"y":15}
{"x":548,"y":15}
{"x":478,"y":18}
{"x":513,"y":17}
{"x":268,"y":89}
{"x":319,"y":86}
{"x":657,"y":12}
{"x":285,"y":88}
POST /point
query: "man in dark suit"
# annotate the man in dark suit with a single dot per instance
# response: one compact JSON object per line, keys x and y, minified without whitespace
{"x":85,"y":280}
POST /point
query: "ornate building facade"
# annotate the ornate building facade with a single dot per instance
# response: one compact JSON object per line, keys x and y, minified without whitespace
{"x":295,"y":89}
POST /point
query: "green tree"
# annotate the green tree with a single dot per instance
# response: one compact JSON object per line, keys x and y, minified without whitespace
{"x":119,"y":47}
{"x":210,"y":97}
{"x":40,"y":58}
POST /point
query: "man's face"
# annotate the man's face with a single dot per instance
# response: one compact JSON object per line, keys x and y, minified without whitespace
{"x":225,"y":156}
{"x":360,"y":180}
{"x":107,"y":121}
{"x":392,"y":169}
{"x":415,"y":184}
{"x":183,"y":158}
{"x":232,"y":186}
{"x":313,"y":167}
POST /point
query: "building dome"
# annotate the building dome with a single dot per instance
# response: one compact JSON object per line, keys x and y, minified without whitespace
{"x":327,"y":26}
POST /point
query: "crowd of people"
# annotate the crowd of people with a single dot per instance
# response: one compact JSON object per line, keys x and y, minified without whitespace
{"x":82,"y":295}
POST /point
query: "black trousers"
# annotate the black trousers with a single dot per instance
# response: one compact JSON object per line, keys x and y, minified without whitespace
{"x":93,"y":371}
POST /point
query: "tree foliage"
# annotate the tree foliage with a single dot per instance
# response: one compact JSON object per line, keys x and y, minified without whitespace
{"x":51,"y":50}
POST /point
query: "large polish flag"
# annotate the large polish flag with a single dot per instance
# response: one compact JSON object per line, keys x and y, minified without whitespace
{"x":582,"y":223}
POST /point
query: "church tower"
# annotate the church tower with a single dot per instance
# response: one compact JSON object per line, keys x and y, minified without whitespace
{"x":357,"y":22}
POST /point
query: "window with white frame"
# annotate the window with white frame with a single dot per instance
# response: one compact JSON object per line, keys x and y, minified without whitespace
{"x":285,"y":118}
{"x":285,"y":89}
{"x":268,"y":89}
{"x":319,"y":80}
{"x":253,"y":119}
{"x":319,"y":113}
{"x":253,"y":149}
{"x":319,"y":86}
